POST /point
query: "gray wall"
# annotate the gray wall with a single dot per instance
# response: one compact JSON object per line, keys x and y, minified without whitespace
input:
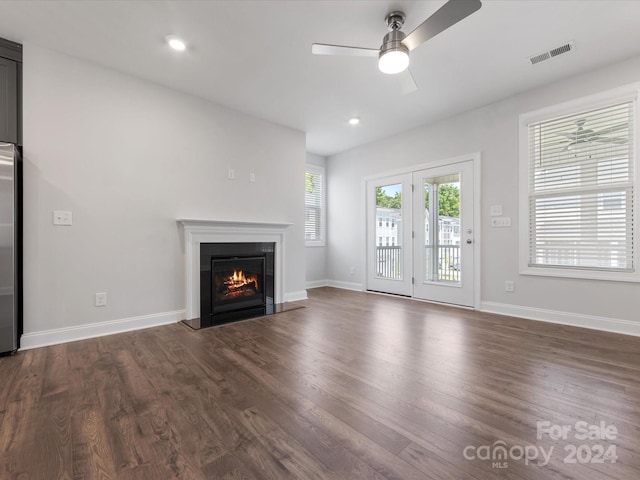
{"x":129,"y":157}
{"x":316,"y":257}
{"x":493,"y":131}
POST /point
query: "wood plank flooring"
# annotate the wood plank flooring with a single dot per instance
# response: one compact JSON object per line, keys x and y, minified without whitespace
{"x":355,"y":386}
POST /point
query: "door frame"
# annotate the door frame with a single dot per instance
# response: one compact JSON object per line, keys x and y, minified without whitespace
{"x":476,"y":158}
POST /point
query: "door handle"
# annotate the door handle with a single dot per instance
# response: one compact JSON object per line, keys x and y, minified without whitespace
{"x":469,"y":241}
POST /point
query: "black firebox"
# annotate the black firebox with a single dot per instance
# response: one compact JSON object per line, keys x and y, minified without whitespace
{"x":236,"y":281}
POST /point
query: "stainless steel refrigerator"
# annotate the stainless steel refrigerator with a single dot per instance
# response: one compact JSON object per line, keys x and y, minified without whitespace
{"x":9,"y":247}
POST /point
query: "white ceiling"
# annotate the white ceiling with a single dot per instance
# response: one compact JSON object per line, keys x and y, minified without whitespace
{"x":255,"y":56}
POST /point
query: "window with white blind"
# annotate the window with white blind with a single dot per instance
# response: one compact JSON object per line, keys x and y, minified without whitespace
{"x":314,"y":206}
{"x":578,"y":190}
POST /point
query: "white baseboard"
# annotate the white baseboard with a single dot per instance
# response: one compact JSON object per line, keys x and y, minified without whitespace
{"x":346,"y":285}
{"x":81,"y":332}
{"x":317,"y":283}
{"x":295,"y":296}
{"x":613,"y":325}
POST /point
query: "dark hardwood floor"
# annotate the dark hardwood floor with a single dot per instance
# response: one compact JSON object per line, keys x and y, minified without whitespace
{"x":356,"y":385}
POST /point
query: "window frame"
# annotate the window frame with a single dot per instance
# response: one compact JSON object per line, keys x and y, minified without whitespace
{"x":318,"y":170}
{"x":601,"y":100}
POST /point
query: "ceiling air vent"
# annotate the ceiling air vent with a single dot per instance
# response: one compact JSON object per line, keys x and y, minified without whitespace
{"x":554,"y":52}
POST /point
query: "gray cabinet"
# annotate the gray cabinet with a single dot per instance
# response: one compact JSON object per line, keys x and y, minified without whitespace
{"x":8,"y":101}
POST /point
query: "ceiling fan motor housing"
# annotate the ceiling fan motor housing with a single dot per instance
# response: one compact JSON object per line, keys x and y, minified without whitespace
{"x":393,"y":41}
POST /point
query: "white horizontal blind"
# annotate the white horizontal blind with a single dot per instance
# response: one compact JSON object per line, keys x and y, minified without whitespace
{"x":313,"y":206}
{"x":581,"y":190}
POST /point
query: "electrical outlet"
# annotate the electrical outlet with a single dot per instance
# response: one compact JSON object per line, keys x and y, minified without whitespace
{"x":352,"y":270}
{"x":501,"y":222}
{"x":62,"y":217}
{"x":508,"y":286}
{"x":252,"y":177}
{"x":101,"y":299}
{"x":231,"y":174}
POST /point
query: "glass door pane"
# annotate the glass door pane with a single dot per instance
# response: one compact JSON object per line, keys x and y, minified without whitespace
{"x":388,"y":226}
{"x":442,"y":258}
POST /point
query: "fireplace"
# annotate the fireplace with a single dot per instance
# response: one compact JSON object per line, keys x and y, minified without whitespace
{"x":236,"y":281}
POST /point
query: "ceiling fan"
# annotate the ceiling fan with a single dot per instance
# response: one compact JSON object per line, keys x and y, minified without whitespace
{"x":393,"y":54}
{"x":583,"y":135}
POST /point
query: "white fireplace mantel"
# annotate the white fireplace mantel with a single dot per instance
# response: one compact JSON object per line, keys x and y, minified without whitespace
{"x":197,"y":231}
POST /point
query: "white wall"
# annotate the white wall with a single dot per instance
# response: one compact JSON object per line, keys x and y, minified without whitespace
{"x":493,"y":131}
{"x":316,"y":256}
{"x":128,"y":158}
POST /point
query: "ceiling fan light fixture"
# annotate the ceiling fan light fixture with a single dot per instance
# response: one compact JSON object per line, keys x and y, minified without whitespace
{"x":394,"y":60}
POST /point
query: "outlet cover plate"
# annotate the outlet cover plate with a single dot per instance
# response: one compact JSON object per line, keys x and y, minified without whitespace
{"x":62,"y":217}
{"x":501,"y":222}
{"x":101,"y":299}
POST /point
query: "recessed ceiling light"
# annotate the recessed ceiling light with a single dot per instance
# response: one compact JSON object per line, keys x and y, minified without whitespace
{"x":354,"y":121}
{"x":176,"y":43}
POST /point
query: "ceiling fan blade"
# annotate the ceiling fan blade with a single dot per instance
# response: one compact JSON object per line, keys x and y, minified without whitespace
{"x":449,"y":14}
{"x":568,"y":135}
{"x":407,"y":82}
{"x":615,"y":128}
{"x":617,"y":140}
{"x":324,"y":49}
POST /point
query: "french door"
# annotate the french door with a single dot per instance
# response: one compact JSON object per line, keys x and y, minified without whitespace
{"x":443,"y":226}
{"x":420,"y":234}
{"x":389,"y":245}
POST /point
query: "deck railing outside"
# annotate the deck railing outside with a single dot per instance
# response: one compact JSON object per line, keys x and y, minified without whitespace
{"x":389,"y":263}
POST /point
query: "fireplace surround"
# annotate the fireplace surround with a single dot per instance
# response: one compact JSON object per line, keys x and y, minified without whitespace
{"x":197,"y":232}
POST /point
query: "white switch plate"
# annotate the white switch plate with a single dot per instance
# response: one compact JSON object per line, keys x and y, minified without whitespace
{"x":496,"y":210}
{"x":101,"y":299}
{"x":62,"y":217}
{"x":501,"y":222}
{"x":252,"y":177}
{"x":508,"y":286}
{"x":231,"y":174}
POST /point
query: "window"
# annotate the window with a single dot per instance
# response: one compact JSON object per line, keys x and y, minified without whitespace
{"x":578,"y":189}
{"x":314,"y":206}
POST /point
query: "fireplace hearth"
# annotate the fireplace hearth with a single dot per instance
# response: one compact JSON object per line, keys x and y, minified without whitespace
{"x":236,"y":281}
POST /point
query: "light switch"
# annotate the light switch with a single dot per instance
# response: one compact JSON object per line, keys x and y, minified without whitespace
{"x":496,"y":210}
{"x":61,"y":217}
